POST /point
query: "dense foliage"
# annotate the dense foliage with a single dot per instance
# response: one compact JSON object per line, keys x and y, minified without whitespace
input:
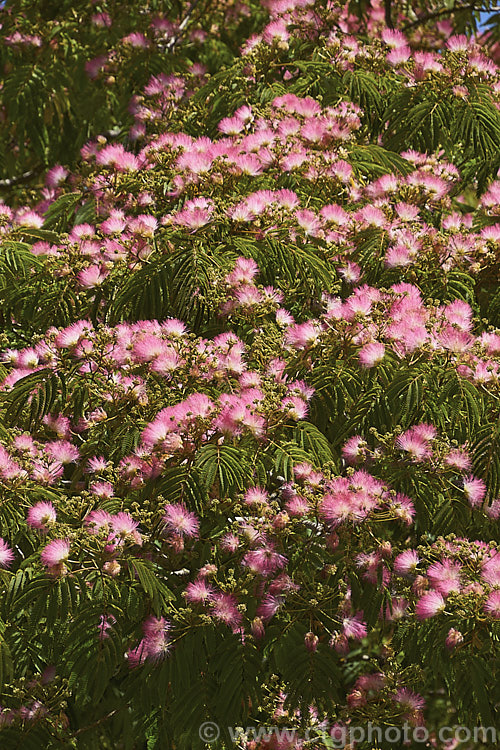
{"x":250,"y":376}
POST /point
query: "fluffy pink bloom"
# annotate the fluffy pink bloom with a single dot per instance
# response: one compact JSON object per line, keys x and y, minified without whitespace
{"x":406,"y":698}
{"x":199,"y":592}
{"x":41,"y":515}
{"x":156,"y":637}
{"x":491,"y":570}
{"x":6,"y":554}
{"x":62,"y":451}
{"x":431,"y":603}
{"x":98,"y":519}
{"x":268,"y":607}
{"x":56,"y":552}
{"x":264,"y":561}
{"x":445,"y":577}
{"x":415,"y":445}
{"x":458,"y":459}
{"x":475,"y":490}
{"x":124,"y":526}
{"x":492,"y":605}
{"x":371,"y":354}
{"x":453,"y":639}
{"x":225,"y":609}
{"x":354,"y":449}
{"x":354,"y":627}
{"x":179,"y":520}
{"x":406,"y":562}
{"x":256,"y":496}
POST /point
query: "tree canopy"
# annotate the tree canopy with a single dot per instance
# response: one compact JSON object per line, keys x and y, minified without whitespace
{"x":250,"y":373}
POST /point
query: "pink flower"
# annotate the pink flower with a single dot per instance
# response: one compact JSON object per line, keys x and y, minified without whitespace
{"x":475,"y":490}
{"x":431,"y":603}
{"x":56,"y":552}
{"x":269,"y":606}
{"x":491,"y":570}
{"x":124,"y":526}
{"x":6,"y":554}
{"x":454,"y":638}
{"x":225,"y":609}
{"x":354,"y":449}
{"x":178,"y":520}
{"x":406,"y":698}
{"x":492,"y":605}
{"x":62,"y":451}
{"x":256,"y":496}
{"x":371,"y":354}
{"x":354,"y":627}
{"x":445,"y":577}
{"x":264,"y":561}
{"x":199,"y":592}
{"x":41,"y":515}
{"x":414,"y":444}
{"x":406,"y":562}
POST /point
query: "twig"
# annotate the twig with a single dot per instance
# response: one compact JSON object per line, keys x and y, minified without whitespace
{"x":182,"y":25}
{"x":20,"y":178}
{"x":96,"y":723}
{"x":388,"y":16}
{"x":437,"y":13}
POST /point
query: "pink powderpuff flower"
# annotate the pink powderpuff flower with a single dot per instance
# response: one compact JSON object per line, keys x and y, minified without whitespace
{"x":302,"y":335}
{"x":414,"y":445}
{"x":493,"y":510}
{"x":55,"y":553}
{"x":102,"y":489}
{"x":178,"y":520}
{"x":225,"y":609}
{"x":453,"y":639}
{"x":92,"y":276}
{"x":354,"y":627}
{"x":268,"y":607}
{"x":354,"y":449}
{"x":492,"y":605}
{"x":41,"y":516}
{"x":229,"y":543}
{"x":199,"y":591}
{"x":137,"y":656}
{"x":97,"y":520}
{"x":430,"y":604}
{"x":406,"y":563}
{"x":256,"y":496}
{"x":445,"y":577}
{"x":55,"y":176}
{"x":491,"y":570}
{"x":62,"y":451}
{"x":371,"y":354}
{"x":70,"y":336}
{"x":397,"y":609}
{"x":295,"y":407}
{"x":124,"y":527}
{"x":458,"y":459}
{"x":475,"y":490}
{"x":106,"y":623}
{"x":264,"y":561}
{"x":6,"y":554}
{"x":394,"y":39}
{"x":408,"y":699}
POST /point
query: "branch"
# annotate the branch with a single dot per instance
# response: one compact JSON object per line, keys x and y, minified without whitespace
{"x":388,"y":16}
{"x":437,"y":14}
{"x":20,"y":178}
{"x":182,"y":25}
{"x":96,"y":723}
